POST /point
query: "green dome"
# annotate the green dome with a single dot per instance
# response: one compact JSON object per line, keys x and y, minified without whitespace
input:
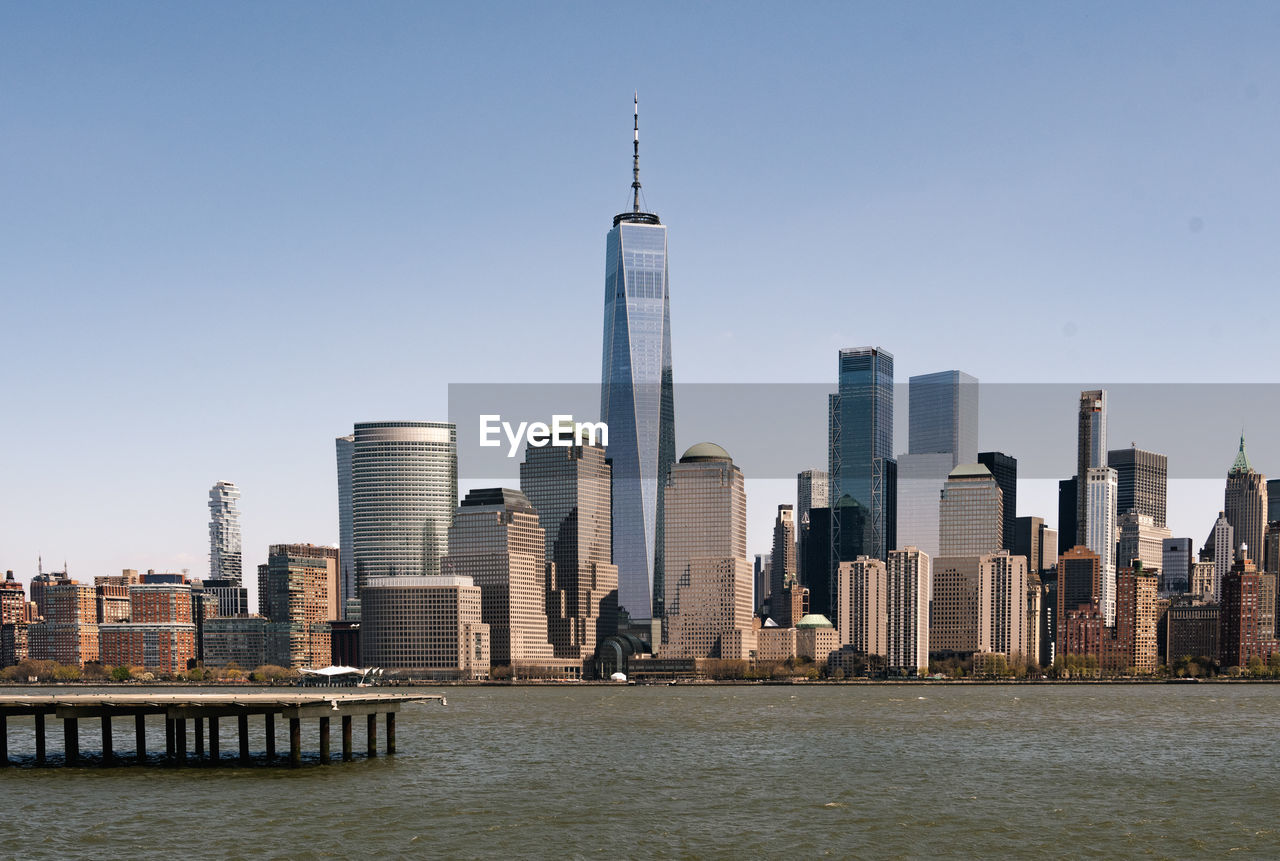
{"x":705,"y":451}
{"x":815,"y":620}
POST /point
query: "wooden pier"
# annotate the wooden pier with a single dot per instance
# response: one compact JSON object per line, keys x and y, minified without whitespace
{"x":205,"y":712}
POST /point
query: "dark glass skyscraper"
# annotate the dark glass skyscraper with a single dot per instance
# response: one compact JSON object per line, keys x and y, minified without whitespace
{"x":1005,"y":469}
{"x":636,"y":399}
{"x":862,"y":470}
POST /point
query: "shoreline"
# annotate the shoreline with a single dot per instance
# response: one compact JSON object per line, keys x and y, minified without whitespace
{"x":540,"y":683}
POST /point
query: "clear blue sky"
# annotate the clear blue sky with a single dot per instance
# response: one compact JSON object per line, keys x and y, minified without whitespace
{"x":230,"y":231}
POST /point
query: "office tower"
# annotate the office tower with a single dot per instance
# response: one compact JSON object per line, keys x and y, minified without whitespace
{"x":783,"y":558}
{"x":1037,"y":542}
{"x":1135,"y":635}
{"x":1175,"y":565}
{"x":1002,"y":606}
{"x":224,"y":533}
{"x":815,"y":561}
{"x":709,"y":613}
{"x":404,"y":487}
{"x":1005,"y":470}
{"x":1270,"y":557}
{"x":1079,"y":583}
{"x":1203,"y":577}
{"x":1273,"y":500}
{"x":636,"y":398}
{"x":811,"y":492}
{"x":1246,"y":504}
{"x":1091,"y":447}
{"x":954,"y":616}
{"x":860,"y":446}
{"x":428,"y":624}
{"x":920,"y":481}
{"x":298,"y":587}
{"x":761,"y":574}
{"x":943,"y":416}
{"x":1100,"y":533}
{"x":861,"y":594}
{"x":1243,"y":623}
{"x":13,"y":622}
{"x":1223,"y":544}
{"x":1037,"y":610}
{"x":971,"y":512}
{"x":569,"y":487}
{"x":1068,"y":501}
{"x":497,"y":542}
{"x":1141,"y":539}
{"x":907,"y":583}
{"x":1142,"y":482}
{"x":346,"y":446}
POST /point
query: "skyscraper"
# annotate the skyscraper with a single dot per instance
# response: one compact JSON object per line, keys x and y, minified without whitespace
{"x":907,"y":604}
{"x":224,"y":533}
{"x":920,"y":481}
{"x":709,"y":613}
{"x":497,"y":542}
{"x":1079,"y":585}
{"x":570,"y":488}
{"x":404,"y":487}
{"x":298,"y":589}
{"x":1142,"y":483}
{"x":636,"y":397}
{"x":1175,"y":565}
{"x":1091,"y":448}
{"x":1068,"y":511}
{"x":943,"y":415}
{"x":971,"y":512}
{"x":860,"y":446}
{"x":1224,"y":544}
{"x":783,"y":557}
{"x":1273,"y":500}
{"x":811,"y":492}
{"x":1245,"y":504}
{"x":861,"y":594}
{"x":1005,"y":470}
{"x":1141,"y":539}
{"x":1101,"y":533}
{"x":345,"y":446}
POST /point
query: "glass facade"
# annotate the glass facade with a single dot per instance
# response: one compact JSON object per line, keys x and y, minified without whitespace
{"x":943,"y":415}
{"x":862,"y":471}
{"x":637,"y":404}
{"x":404,"y":487}
{"x":346,"y":537}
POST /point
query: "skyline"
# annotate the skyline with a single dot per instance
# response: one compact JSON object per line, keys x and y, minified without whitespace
{"x":140,"y":159}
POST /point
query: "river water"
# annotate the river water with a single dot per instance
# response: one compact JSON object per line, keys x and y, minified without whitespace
{"x":880,"y":771}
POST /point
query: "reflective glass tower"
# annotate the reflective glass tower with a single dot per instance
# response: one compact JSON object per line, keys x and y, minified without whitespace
{"x":636,"y":399}
{"x":863,"y":473}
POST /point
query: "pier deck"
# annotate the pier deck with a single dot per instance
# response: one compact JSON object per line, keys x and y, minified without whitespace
{"x":205,"y":710}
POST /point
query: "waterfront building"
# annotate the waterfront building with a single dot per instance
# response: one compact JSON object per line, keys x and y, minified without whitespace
{"x":1245,"y":505}
{"x":160,"y":603}
{"x":426,"y":625}
{"x":166,"y":647}
{"x":1142,"y":482}
{"x":569,"y":487}
{"x":637,"y":400}
{"x":942,"y":416}
{"x":862,"y":604}
{"x":1135,"y":632}
{"x":345,"y":447}
{"x":1002,"y":606}
{"x":1141,"y":538}
{"x":971,"y":512}
{"x":1079,"y":587}
{"x":1004,"y":469}
{"x":404,"y":487}
{"x":783,"y":559}
{"x":862,"y":472}
{"x":224,"y":533}
{"x":1191,"y":629}
{"x":908,"y":577}
{"x":244,"y":642}
{"x":1176,"y":560}
{"x":497,"y":542}
{"x":1247,"y":616}
{"x":69,"y":632}
{"x":298,"y":588}
{"x":1091,"y":450}
{"x":232,"y":598}
{"x":1100,"y":532}
{"x":13,"y":621}
{"x":709,"y":613}
{"x":954,"y":616}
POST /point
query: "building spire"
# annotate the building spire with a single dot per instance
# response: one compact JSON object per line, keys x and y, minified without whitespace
{"x":1242,"y":460}
{"x":635,"y":159}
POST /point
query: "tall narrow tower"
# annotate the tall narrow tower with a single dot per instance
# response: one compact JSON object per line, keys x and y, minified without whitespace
{"x":224,"y":533}
{"x":1245,"y":506}
{"x":636,"y":398}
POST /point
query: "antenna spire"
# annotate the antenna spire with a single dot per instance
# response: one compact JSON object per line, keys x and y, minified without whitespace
{"x":635,"y":159}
